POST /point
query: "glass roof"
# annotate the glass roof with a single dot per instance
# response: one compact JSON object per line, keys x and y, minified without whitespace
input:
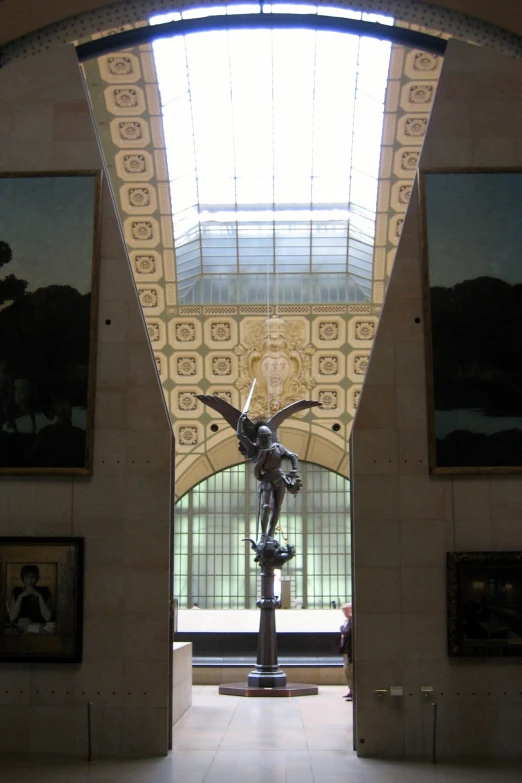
{"x":273,"y":145}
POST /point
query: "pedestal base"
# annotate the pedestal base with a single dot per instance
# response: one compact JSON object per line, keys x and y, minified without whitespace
{"x":267,"y":679}
{"x":290,"y":689}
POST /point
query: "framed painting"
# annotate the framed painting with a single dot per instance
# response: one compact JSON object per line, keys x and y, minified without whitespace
{"x":472,"y":235}
{"x":484,"y":603}
{"x":49,"y":238}
{"x":41,"y":599}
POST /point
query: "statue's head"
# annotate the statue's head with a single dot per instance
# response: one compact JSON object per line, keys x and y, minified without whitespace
{"x":264,"y":437}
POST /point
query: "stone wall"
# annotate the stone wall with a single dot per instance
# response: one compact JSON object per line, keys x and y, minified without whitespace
{"x":405,"y":520}
{"x":122,"y":510}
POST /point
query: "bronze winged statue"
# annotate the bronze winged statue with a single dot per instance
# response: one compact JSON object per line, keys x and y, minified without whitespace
{"x":259,"y":443}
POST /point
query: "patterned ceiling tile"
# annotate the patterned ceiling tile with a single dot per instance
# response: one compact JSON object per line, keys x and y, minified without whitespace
{"x":142,"y":231}
{"x":332,"y":399}
{"x":185,"y":333}
{"x":125,"y":99}
{"x":186,"y":368}
{"x":354,"y":392}
{"x":361,"y":331}
{"x":120,"y":68}
{"x":221,"y":367}
{"x":134,"y":165}
{"x":138,"y":198}
{"x":188,"y":434}
{"x":161,"y":365}
{"x":328,"y":366}
{"x":228,"y":393}
{"x":329,"y":331}
{"x":130,"y":132}
{"x":184,"y":403}
{"x":147,"y":265}
{"x":357,"y":365}
{"x":417,"y":96}
{"x":411,"y":128}
{"x":220,"y":332}
{"x":152,"y":298}
{"x":400,"y":195}
{"x":157,"y":335}
{"x":422,"y":64}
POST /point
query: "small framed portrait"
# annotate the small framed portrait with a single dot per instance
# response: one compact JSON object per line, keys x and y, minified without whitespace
{"x":41,"y":599}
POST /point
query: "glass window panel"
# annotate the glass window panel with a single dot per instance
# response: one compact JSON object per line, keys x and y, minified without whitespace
{"x":216,"y":190}
{"x":171,"y":67}
{"x":243,"y":8}
{"x":257,"y":126}
{"x":335,"y":243}
{"x":218,"y":576}
{"x":249,"y":241}
{"x":374,"y":57}
{"x":292,"y":189}
{"x":224,"y":247}
{"x":364,"y":189}
{"x":255,"y":190}
{"x":290,"y":240}
{"x":333,"y":189}
{"x":249,"y":249}
{"x":196,"y":13}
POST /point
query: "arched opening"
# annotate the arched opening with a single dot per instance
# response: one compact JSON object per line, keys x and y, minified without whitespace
{"x":213,"y":565}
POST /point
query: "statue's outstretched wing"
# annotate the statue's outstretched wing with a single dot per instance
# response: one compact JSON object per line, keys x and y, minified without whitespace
{"x":247,"y":445}
{"x":223,"y":407}
{"x":294,"y":407}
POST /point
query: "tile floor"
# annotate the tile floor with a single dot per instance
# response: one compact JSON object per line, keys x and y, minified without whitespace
{"x":230,"y":739}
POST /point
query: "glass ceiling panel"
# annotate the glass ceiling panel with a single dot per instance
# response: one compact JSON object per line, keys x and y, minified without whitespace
{"x":273,"y":159}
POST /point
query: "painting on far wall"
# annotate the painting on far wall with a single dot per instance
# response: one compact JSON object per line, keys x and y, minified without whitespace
{"x":49,"y":229}
{"x":41,"y":599}
{"x":472,"y":240}
{"x":484,"y":603}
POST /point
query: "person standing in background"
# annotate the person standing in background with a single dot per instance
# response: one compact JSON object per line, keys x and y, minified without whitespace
{"x":345,"y":648}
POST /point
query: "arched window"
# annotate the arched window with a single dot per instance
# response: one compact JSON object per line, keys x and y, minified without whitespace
{"x":215,"y":567}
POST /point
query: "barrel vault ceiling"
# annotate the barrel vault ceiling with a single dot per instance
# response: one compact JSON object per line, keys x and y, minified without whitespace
{"x":322,"y":349}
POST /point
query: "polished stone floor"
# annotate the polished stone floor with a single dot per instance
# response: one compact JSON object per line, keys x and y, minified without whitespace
{"x":230,"y":739}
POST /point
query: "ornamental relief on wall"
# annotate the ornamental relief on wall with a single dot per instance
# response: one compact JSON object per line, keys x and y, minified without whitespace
{"x":275,"y":353}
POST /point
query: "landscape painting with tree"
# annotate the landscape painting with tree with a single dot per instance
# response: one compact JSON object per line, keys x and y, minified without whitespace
{"x":48,"y":260}
{"x":472,"y":240}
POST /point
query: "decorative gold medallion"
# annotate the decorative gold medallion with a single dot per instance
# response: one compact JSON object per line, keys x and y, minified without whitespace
{"x":276,"y":355}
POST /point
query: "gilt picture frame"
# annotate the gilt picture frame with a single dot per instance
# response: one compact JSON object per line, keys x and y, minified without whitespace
{"x":472,"y":278}
{"x":484,"y":599}
{"x":41,"y":599}
{"x":49,"y":259}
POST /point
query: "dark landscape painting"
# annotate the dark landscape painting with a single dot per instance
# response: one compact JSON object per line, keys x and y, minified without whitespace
{"x":473,"y":245}
{"x":484,"y":603}
{"x":48,"y":255}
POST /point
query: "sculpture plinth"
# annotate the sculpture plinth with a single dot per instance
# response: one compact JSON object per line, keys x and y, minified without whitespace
{"x":267,"y":673}
{"x":267,"y":679}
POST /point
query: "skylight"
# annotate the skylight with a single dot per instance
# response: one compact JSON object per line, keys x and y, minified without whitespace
{"x":273,"y":145}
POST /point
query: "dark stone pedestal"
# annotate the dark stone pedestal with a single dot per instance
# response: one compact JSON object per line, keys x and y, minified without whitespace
{"x":267,"y":679}
{"x":290,"y":689}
